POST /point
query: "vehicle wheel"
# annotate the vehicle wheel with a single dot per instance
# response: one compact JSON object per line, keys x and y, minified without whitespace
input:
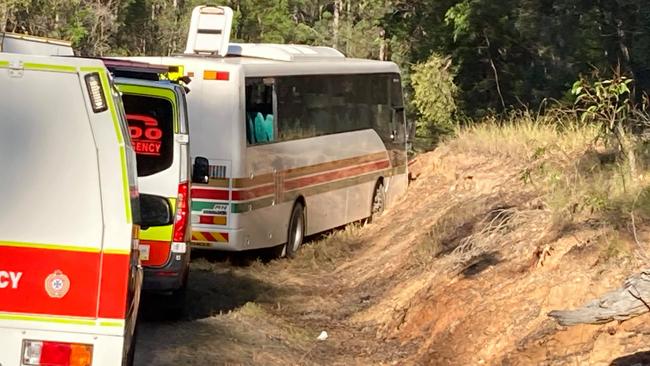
{"x":378,"y":202}
{"x":296,"y":230}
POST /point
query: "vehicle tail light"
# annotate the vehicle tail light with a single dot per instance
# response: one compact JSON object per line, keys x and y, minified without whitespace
{"x":42,"y":353}
{"x":182,"y":212}
{"x":216,"y":75}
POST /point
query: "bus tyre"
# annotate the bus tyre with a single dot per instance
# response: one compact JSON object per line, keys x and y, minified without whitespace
{"x":296,"y":232}
{"x":378,"y":201}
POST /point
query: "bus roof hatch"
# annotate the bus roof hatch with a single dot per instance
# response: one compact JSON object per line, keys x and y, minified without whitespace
{"x":209,"y":30}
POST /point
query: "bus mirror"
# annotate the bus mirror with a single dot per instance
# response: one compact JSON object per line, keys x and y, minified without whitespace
{"x":201,"y":170}
{"x":154,"y":211}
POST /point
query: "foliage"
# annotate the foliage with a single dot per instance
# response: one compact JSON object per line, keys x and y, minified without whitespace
{"x":506,"y":55}
{"x":434,"y":95}
{"x":607,"y":104}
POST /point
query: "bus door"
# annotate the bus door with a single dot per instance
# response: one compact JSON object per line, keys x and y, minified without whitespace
{"x":388,"y":115}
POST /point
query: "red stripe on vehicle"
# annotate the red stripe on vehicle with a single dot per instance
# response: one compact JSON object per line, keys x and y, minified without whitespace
{"x":253,"y":193}
{"x":82,"y":270}
{"x":335,"y":175}
{"x":301,"y":182}
{"x":114,"y":286}
{"x":211,"y":194}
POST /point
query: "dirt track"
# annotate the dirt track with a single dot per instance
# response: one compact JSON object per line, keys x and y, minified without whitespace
{"x":449,"y":276}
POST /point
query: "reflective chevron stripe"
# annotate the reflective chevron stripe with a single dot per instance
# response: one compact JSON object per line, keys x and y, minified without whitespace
{"x":209,"y":237}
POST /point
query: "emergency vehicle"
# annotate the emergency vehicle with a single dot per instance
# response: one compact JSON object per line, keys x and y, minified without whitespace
{"x":156,"y":112}
{"x":70,"y":275}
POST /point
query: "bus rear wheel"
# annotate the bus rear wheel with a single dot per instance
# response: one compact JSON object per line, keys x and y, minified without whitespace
{"x":296,"y":233}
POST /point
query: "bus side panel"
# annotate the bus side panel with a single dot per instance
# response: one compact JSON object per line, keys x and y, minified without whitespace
{"x":327,"y":210}
{"x":323,"y":170}
{"x":265,"y":227}
{"x":360,"y":201}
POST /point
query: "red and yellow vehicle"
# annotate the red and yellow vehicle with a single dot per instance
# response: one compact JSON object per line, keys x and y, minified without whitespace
{"x":156,"y":112}
{"x":70,"y":274}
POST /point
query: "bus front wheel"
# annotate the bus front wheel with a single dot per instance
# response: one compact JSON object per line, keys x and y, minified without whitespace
{"x":296,"y":232}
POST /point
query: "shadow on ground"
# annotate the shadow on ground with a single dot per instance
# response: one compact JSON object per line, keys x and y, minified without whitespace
{"x":635,"y":359}
{"x":210,"y":292}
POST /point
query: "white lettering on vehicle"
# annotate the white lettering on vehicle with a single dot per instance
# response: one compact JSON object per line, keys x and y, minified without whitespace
{"x":10,"y":279}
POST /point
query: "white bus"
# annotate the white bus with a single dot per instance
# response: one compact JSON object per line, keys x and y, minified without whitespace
{"x":288,"y":140}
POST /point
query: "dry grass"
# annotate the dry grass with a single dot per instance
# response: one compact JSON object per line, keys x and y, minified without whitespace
{"x":570,"y":178}
{"x":324,"y":253}
{"x":563,"y":161}
{"x":522,"y":137}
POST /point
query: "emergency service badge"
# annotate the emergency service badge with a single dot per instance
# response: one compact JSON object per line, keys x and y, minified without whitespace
{"x":57,"y":285}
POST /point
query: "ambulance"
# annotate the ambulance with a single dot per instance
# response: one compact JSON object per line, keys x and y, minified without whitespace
{"x":70,"y":274}
{"x":156,"y":111}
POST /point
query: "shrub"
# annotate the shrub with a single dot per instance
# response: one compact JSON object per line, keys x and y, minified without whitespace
{"x":434,"y":96}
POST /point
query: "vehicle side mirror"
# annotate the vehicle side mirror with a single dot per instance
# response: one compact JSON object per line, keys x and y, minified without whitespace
{"x":201,"y":170}
{"x":154,"y":211}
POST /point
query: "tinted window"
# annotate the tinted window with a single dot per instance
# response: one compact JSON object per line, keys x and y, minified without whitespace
{"x":260,"y":120}
{"x":152,"y":132}
{"x":316,"y":105}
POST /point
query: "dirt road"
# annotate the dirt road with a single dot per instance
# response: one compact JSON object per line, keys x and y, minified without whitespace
{"x":452,"y":275}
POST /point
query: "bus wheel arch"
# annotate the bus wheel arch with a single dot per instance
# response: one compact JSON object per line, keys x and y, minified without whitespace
{"x":378,"y":201}
{"x":296,"y":227}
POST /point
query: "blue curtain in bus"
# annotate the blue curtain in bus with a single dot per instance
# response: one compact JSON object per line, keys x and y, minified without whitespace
{"x":268,"y":127}
{"x":260,"y":130}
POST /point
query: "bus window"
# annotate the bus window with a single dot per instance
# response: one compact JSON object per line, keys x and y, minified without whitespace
{"x":152,"y":132}
{"x":260,"y":120}
{"x":316,"y":105}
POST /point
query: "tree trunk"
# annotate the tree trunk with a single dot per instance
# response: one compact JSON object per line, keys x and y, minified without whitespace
{"x":627,"y":149}
{"x":336,"y":23}
{"x":383,"y":47}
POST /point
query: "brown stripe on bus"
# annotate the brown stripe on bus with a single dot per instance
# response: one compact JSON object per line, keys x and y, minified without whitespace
{"x":308,"y":170}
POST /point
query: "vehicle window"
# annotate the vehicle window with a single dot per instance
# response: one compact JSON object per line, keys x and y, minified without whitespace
{"x":260,"y":120}
{"x":152,"y":132}
{"x":316,"y":105}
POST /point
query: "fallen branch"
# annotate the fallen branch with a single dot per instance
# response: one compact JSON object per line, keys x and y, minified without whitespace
{"x":625,"y":303}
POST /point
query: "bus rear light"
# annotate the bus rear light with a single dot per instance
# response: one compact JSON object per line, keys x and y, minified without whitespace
{"x":42,"y":353}
{"x":182,"y":213}
{"x":216,"y":75}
